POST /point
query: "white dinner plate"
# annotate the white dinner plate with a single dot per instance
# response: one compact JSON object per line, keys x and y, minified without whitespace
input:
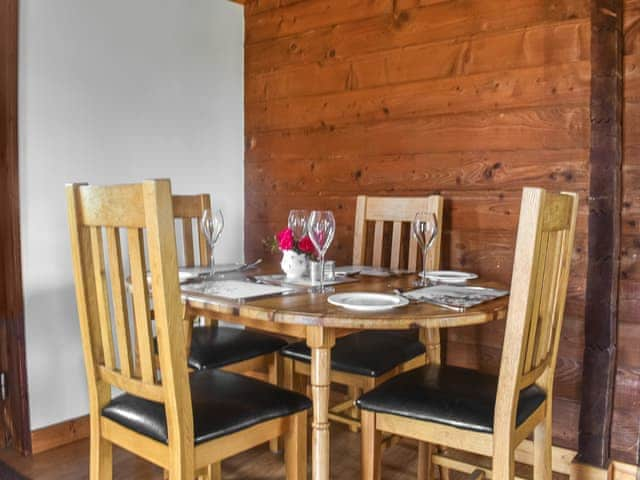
{"x":449,"y":276}
{"x":367,"y":301}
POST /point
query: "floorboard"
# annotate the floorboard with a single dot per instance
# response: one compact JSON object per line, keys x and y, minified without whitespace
{"x":72,"y":462}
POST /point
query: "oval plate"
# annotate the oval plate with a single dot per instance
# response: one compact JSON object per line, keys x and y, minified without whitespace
{"x":449,"y":276}
{"x":367,"y":301}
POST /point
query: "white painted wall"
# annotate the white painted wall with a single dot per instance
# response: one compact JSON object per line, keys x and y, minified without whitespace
{"x":117,"y":91}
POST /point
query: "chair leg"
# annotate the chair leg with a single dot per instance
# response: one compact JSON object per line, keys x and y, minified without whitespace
{"x":214,"y":471}
{"x":371,"y":452}
{"x":503,"y":465}
{"x":101,"y":458}
{"x":287,"y":374}
{"x":425,"y":461}
{"x":542,"y":440}
{"x":295,"y":447}
{"x":354,"y":394}
{"x":275,"y":378}
{"x":444,"y":473}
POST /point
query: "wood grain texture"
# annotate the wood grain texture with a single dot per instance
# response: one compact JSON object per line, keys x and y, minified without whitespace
{"x":625,"y":429}
{"x":14,"y":426}
{"x":63,"y":433}
{"x":604,"y":233}
{"x":472,"y":100}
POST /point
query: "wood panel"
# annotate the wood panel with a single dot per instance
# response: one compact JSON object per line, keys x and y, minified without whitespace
{"x":473,"y":100}
{"x":14,"y":425}
{"x":62,"y":433}
{"x":625,"y":428}
{"x":404,"y":28}
{"x":544,"y":45}
{"x":601,"y":300}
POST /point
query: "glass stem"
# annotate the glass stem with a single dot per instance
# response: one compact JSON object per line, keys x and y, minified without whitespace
{"x":321,"y":273}
{"x":212,"y":264}
{"x":424,"y":266}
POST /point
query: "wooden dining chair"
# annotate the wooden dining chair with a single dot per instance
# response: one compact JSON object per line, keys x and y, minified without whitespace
{"x":213,"y":345}
{"x":364,"y":360}
{"x":476,"y":475}
{"x":485,"y":414}
{"x":180,"y":422}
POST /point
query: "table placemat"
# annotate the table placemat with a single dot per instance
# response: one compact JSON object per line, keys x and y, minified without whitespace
{"x":236,"y":290}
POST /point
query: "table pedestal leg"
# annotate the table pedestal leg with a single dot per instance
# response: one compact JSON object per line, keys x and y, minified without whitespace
{"x":320,"y":340}
{"x":431,"y":339}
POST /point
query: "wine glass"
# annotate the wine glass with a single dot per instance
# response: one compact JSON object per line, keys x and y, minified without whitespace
{"x":321,"y":228}
{"x":212,"y":224}
{"x":298,"y":223}
{"x":424,"y":229}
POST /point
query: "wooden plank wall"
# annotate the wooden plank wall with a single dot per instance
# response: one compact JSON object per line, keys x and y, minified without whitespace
{"x":470,"y":98}
{"x":626,"y":420}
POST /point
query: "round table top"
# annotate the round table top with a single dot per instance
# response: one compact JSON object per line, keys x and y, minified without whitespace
{"x":313,"y":309}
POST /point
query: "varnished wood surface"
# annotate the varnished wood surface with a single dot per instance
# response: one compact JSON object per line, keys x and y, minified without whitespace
{"x":471,"y":100}
{"x":625,"y":435}
{"x":314,"y":309}
{"x":14,"y":426}
{"x":72,"y":462}
{"x":546,"y":232}
{"x":605,"y":203}
{"x":99,"y":212}
{"x":322,"y":320}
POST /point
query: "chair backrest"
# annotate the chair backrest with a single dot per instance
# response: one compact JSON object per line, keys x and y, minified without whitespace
{"x":99,"y":217}
{"x":189,"y":209}
{"x":398,"y":212}
{"x":544,"y":248}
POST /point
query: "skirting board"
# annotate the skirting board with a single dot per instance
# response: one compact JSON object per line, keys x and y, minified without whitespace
{"x":60,"y":434}
{"x":70,"y":431}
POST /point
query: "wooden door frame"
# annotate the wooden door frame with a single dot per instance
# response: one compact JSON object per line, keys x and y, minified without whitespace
{"x":15,"y":428}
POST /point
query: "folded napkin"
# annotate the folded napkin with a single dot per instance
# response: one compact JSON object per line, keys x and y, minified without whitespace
{"x":456,"y":295}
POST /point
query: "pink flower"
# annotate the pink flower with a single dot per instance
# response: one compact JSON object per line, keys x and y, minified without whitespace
{"x":285,"y":239}
{"x":306,"y":245}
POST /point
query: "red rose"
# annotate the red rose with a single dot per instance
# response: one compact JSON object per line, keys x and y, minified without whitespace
{"x":306,"y":245}
{"x":285,"y":239}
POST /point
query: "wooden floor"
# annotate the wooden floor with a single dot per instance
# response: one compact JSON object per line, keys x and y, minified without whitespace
{"x":71,"y":462}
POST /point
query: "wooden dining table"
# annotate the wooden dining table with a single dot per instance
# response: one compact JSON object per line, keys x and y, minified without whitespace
{"x":310,"y":316}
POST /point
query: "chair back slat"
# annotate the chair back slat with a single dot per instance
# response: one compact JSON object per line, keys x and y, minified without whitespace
{"x":120,"y":308}
{"x":203,"y":246}
{"x":396,"y":244}
{"x":96,"y":213}
{"x":187,"y":242}
{"x":552,"y":256}
{"x":102,"y":295}
{"x":189,"y":209}
{"x":397,"y":213}
{"x":544,"y":247}
{"x":142,"y":315}
{"x":412,"y":261}
{"x":538,"y":283}
{"x":377,"y":243}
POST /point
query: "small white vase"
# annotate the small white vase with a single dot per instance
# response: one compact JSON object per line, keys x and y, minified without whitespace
{"x":293,"y":264}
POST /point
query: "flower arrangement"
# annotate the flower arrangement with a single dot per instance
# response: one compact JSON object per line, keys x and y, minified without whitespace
{"x":285,"y":241}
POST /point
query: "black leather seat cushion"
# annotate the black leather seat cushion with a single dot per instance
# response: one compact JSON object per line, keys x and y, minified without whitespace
{"x":366,"y":353}
{"x":452,"y":396}
{"x":217,"y":346}
{"x":223,"y":403}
